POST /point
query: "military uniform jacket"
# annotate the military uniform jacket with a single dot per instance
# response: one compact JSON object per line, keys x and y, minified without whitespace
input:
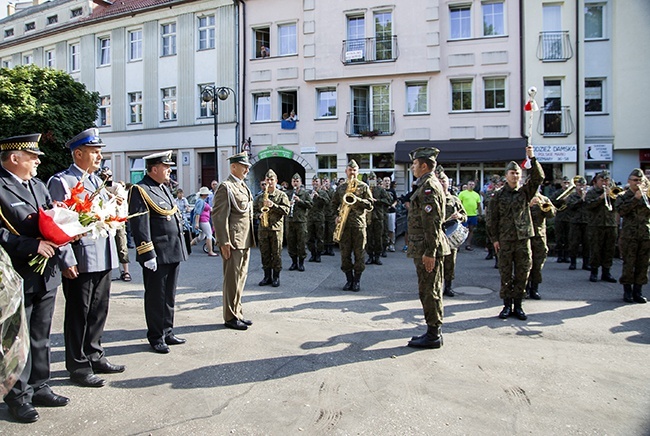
{"x":425,"y":218}
{"x":453,"y":204}
{"x":383,"y":200}
{"x":232,"y":214}
{"x":597,"y":212}
{"x":20,"y":210}
{"x":577,"y":210}
{"x":159,"y":233}
{"x":276,"y":213}
{"x":510,"y":218}
{"x":539,"y":217}
{"x":300,"y":208}
{"x":90,"y":255}
{"x":357,"y":216}
{"x":320,"y":204}
{"x":635,"y":214}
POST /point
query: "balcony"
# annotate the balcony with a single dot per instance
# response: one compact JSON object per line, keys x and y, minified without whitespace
{"x":368,"y":50}
{"x":555,"y":123}
{"x":554,"y":47}
{"x":370,"y":123}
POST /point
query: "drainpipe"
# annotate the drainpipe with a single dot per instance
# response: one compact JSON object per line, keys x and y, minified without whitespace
{"x":579,"y":170}
{"x":522,"y":86}
{"x":241,"y":66}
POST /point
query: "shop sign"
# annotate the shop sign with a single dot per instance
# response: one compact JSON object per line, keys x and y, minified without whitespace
{"x":556,"y":153}
{"x":598,"y":152}
{"x":275,"y":151}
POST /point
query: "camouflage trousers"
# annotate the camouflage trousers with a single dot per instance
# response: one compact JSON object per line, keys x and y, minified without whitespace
{"x":315,"y":233}
{"x":602,"y":246}
{"x":515,"y":261}
{"x":430,"y":291}
{"x":353,"y":241}
{"x":450,"y":266}
{"x":270,"y":243}
{"x":375,"y":231}
{"x":328,"y":233}
{"x":539,"y":251}
{"x":297,"y":239}
{"x":578,"y":242}
{"x":636,"y":255}
{"x":561,"y":236}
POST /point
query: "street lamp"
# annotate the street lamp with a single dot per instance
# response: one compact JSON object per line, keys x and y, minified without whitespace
{"x":208,"y":94}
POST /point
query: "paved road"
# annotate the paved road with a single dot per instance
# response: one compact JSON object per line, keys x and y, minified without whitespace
{"x":322,"y":361}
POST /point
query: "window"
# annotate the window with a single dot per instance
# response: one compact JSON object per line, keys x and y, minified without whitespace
{"x":326,"y":103}
{"x":28,"y":59}
{"x":169,"y":104}
{"x":6,"y":64}
{"x":383,"y":36}
{"x":9,"y":33}
{"x":460,"y":22}
{"x":262,"y":106}
{"x":493,"y":22}
{"x":76,"y":12}
{"x":371,"y":114}
{"x":206,"y":32}
{"x":30,"y":26}
{"x":416,"y":98}
{"x":288,"y":103}
{"x":494,"y":93}
{"x":594,"y":21}
{"x":104,"y":51}
{"x":205,"y":107}
{"x":552,"y":106}
{"x":104,"y":116}
{"x":461,"y":95}
{"x":594,"y":95}
{"x":261,"y":37}
{"x":168,"y":32}
{"x":327,"y":166}
{"x":50,"y":58}
{"x":287,"y":39}
{"x":382,"y":164}
{"x":135,"y":104}
{"x":135,"y":45}
{"x":355,"y":45}
{"x":74,"y":54}
{"x":52,"y":19}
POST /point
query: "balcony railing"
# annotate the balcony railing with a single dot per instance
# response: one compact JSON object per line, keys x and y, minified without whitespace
{"x":370,"y":123}
{"x":365,"y":50}
{"x":554,"y":46}
{"x":555,"y":123}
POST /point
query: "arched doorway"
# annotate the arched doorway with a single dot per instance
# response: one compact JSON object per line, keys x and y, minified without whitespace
{"x":284,"y":167}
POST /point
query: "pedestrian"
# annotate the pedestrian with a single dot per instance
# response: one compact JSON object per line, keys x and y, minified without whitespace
{"x":183,"y":205}
{"x":428,"y":244}
{"x":271,"y":206}
{"x":541,"y":209}
{"x":510,"y":228}
{"x":375,"y":220}
{"x":299,"y":203}
{"x":86,"y":278}
{"x":454,"y":211}
{"x":601,"y":227}
{"x":316,"y":219}
{"x":232,"y":215}
{"x":202,"y":211}
{"x":472,"y":204}
{"x":160,"y":248}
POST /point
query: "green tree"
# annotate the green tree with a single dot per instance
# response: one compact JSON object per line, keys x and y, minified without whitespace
{"x":46,"y":101}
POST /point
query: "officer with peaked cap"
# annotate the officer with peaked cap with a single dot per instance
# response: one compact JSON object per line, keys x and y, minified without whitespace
{"x":157,"y":229}
{"x":271,"y":206}
{"x":21,"y":194}
{"x":601,"y":228}
{"x":87,"y":278}
{"x":300,"y":202}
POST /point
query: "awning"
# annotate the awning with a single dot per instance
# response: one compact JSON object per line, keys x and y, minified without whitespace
{"x":475,"y":150}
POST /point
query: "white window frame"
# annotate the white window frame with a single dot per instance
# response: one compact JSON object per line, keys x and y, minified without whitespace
{"x":51,"y":20}
{"x":205,"y":107}
{"x":28,"y":59}
{"x":320,"y":101}
{"x":463,"y":80}
{"x":50,"y":58}
{"x":503,"y":17}
{"x":603,"y":101}
{"x":104,"y":51}
{"x":104,"y":111}
{"x":76,"y":12}
{"x":287,"y":41}
{"x":261,"y":108}
{"x":460,"y":20}
{"x":206,"y":32}
{"x":135,"y":45}
{"x":30,"y":26}
{"x":495,"y":90}
{"x":135,"y":107}
{"x":603,"y":27}
{"x":6,"y":63}
{"x":168,"y":39}
{"x":412,"y":86}
{"x":169,"y":104}
{"x":261,"y":36}
{"x":9,"y":33}
{"x":74,"y":53}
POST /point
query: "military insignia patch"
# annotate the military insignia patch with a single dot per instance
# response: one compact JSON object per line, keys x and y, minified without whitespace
{"x":427,"y":191}
{"x":428,"y":208}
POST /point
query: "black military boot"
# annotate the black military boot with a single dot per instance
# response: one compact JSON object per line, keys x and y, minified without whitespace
{"x":329,"y":250}
{"x":349,"y":276}
{"x":637,"y":296}
{"x":448,"y":292}
{"x":518,"y":311}
{"x":267,"y":278}
{"x":312,"y":258}
{"x":371,"y":259}
{"x":606,"y":276}
{"x":573,"y":263}
{"x":560,"y":256}
{"x":585,"y":264}
{"x":294,"y":263}
{"x":627,"y":294}
{"x":527,"y":290}
{"x":496,"y":261}
{"x":594,"y":275}
{"x":377,"y":260}
{"x":533,"y":292}
{"x":276,"y":279}
{"x":383,"y":254}
{"x":301,"y":264}
{"x":507,"y":308}
{"x":490,"y":254}
{"x":356,"y":283}
{"x":431,"y":339}
{"x":317,"y":257}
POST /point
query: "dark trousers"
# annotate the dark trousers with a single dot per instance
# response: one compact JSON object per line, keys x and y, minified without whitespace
{"x":39,"y":308}
{"x":86,"y":309}
{"x":159,"y":299}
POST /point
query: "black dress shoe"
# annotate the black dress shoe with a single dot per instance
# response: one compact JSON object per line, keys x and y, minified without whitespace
{"x":236,"y":324}
{"x":88,"y":380}
{"x":248,"y":322}
{"x":174,"y":340}
{"x":49,"y":399}
{"x":24,"y":413}
{"x":107,"y":368}
{"x":160,"y":348}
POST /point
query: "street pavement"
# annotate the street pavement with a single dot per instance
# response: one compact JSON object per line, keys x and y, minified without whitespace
{"x":322,"y":361}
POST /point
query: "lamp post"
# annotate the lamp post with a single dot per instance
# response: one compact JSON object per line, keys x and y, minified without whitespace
{"x":210,"y":93}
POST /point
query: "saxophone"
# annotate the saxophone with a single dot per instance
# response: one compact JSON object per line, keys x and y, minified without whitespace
{"x":349,"y":198}
{"x":264,"y":216}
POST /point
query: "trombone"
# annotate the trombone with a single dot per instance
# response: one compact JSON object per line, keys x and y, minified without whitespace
{"x":644,"y":186}
{"x":563,"y":196}
{"x":611,"y":192}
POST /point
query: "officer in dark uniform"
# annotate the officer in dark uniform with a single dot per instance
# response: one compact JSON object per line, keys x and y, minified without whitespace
{"x":299,"y":203}
{"x":634,"y":207}
{"x":160,"y":248}
{"x":21,"y":195}
{"x":561,"y":223}
{"x":578,"y":241}
{"x":541,"y":209}
{"x":601,"y":228}
{"x":510,"y":228}
{"x":274,"y":204}
{"x":427,"y":243}
{"x":316,"y":219}
{"x":375,"y":224}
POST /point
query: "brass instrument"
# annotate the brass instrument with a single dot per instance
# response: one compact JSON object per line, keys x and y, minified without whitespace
{"x":293,"y":202}
{"x":349,"y":198}
{"x":547,"y":206}
{"x":264,"y":216}
{"x":611,"y":192}
{"x":644,"y":186}
{"x":565,"y":194}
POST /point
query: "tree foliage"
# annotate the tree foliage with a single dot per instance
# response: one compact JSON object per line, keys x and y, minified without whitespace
{"x":46,"y":101}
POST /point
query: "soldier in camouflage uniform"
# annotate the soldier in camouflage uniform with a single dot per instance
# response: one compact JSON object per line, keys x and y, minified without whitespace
{"x":578,"y":242}
{"x":316,"y":219}
{"x":270,"y":237}
{"x":561,"y":223}
{"x":353,"y":237}
{"x":541,"y":209}
{"x":632,"y":205}
{"x":299,"y":203}
{"x":511,"y":227}
{"x":330,"y":219}
{"x":453,"y":211}
{"x":376,"y":220}
{"x":497,"y":183}
{"x":601,"y":228}
{"x":427,"y":243}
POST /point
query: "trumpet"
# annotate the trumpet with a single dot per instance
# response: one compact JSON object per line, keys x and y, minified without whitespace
{"x":644,"y":186}
{"x":264,"y":217}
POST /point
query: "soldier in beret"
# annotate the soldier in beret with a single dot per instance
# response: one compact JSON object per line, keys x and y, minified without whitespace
{"x":330,"y":219}
{"x":541,"y":209}
{"x":454,"y":211}
{"x":274,"y":204}
{"x":320,"y":198}
{"x":601,"y":228}
{"x":376,"y":222}
{"x":300,"y":202}
{"x":633,"y":206}
{"x":562,"y":223}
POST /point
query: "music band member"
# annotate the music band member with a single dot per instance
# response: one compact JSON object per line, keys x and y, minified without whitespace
{"x":541,"y":209}
{"x":578,"y":241}
{"x":299,"y":203}
{"x":454,"y":211}
{"x":601,"y":228}
{"x":316,"y":219}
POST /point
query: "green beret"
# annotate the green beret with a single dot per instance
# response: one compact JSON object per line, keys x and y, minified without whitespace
{"x":270,"y":174}
{"x":602,"y":175}
{"x":565,"y":178}
{"x":430,"y":153}
{"x":372,"y":176}
{"x":315,"y":177}
{"x":636,"y":172}
{"x":512,"y":166}
{"x":296,"y":177}
{"x":579,"y":180}
{"x":353,"y":164}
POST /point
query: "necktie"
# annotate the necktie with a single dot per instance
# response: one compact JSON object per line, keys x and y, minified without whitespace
{"x":29,"y":188}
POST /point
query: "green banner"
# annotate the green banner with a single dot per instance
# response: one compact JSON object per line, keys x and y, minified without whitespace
{"x":275,"y":151}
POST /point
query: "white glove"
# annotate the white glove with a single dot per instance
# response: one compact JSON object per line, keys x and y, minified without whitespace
{"x":151,"y":264}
